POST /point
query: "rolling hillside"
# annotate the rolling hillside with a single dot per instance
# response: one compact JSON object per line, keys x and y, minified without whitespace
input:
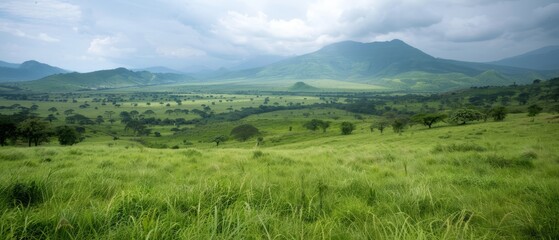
{"x":546,"y":58}
{"x":29,"y":70}
{"x":105,"y":79}
{"x":394,"y":64}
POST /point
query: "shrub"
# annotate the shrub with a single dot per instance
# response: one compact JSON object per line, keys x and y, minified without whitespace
{"x":347,"y":128}
{"x":26,"y":194}
{"x":462,"y":116}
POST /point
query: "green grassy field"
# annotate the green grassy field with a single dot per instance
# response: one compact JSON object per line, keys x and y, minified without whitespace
{"x":494,"y":180}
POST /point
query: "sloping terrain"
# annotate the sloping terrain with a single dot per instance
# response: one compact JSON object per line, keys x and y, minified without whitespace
{"x":29,"y":70}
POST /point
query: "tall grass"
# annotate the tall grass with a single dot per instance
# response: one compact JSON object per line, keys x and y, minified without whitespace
{"x":361,"y":186}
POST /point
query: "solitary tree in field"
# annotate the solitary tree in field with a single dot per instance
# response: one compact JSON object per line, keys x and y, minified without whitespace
{"x":219,"y":139}
{"x":53,"y":110}
{"x":244,"y":132}
{"x":34,"y":131}
{"x":67,"y":135}
{"x":499,"y":113}
{"x":462,"y":116}
{"x":381,"y":125}
{"x":399,"y":124}
{"x":428,"y":119}
{"x":347,"y":128}
{"x":534,"y":110}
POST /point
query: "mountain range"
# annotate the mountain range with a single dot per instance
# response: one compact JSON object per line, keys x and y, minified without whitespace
{"x":546,"y":58}
{"x":390,"y":65}
{"x":29,"y":70}
{"x":394,"y":64}
{"x":104,"y":79}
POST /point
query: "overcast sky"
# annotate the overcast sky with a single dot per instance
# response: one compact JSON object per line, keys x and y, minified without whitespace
{"x":189,"y":34}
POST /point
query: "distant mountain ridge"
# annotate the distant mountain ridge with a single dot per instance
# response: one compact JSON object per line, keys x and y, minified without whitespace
{"x":546,"y":58}
{"x":29,"y":70}
{"x":104,"y":79}
{"x":392,"y":63}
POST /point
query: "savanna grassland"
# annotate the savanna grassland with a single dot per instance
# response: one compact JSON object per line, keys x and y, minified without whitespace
{"x":480,"y":180}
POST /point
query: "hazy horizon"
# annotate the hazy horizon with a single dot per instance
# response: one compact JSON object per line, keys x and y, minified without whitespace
{"x":187,"y":36}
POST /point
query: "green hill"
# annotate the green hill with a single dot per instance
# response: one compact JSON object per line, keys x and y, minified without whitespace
{"x":29,"y":70}
{"x":394,"y":64}
{"x":302,"y":87}
{"x":105,"y":79}
{"x":546,"y":58}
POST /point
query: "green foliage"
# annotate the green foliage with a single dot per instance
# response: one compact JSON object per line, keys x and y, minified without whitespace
{"x":462,"y":147}
{"x":315,"y":124}
{"x":428,"y":119}
{"x":462,"y":116}
{"x":24,"y":193}
{"x":34,"y":131}
{"x":219,"y":139}
{"x":347,"y":127}
{"x":534,"y":110}
{"x":399,"y":124}
{"x":137,"y":127}
{"x":380,"y":125}
{"x":67,"y":135}
{"x":499,"y":113}
{"x":244,"y":132}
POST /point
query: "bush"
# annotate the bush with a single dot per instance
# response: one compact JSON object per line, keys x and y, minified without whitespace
{"x":347,"y":128}
{"x":26,"y":194}
{"x":244,"y":132}
{"x":462,"y":116}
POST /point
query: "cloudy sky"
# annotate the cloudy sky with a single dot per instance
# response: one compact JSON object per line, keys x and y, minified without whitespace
{"x":87,"y":35}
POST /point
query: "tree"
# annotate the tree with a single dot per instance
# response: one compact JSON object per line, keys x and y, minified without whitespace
{"x":99,"y":120}
{"x":315,"y":124}
{"x":244,"y":132}
{"x":149,"y":112}
{"x":499,"y":113}
{"x":69,"y":112}
{"x":219,"y":139}
{"x":137,"y":127}
{"x":169,"y":111}
{"x":534,"y":110}
{"x":381,"y":125}
{"x":67,"y":135}
{"x":53,"y":110}
{"x":523,"y":98}
{"x":399,"y":124}
{"x":428,"y":119}
{"x":347,"y":128}
{"x":462,"y":116}
{"x":34,"y":131}
{"x":109,"y":114}
{"x":7,"y":131}
{"x":51,"y":118}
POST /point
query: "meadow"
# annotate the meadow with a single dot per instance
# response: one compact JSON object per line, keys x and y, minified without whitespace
{"x":482,"y":180}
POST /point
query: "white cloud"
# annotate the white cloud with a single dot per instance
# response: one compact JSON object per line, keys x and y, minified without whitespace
{"x":180,"y":52}
{"x":42,"y":9}
{"x":109,"y":46}
{"x":45,"y":37}
{"x":19,"y":33}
